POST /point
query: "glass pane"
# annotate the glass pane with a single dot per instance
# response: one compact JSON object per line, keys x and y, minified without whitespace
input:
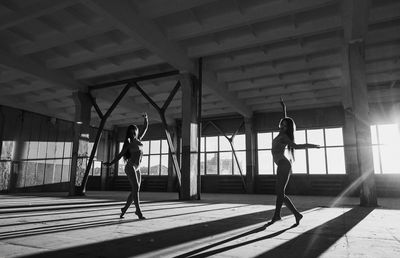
{"x":146,"y":145}
{"x":42,"y":150}
{"x":68,"y":150}
{"x":377,"y":166}
{"x":300,"y":136}
{"x":33,"y":150}
{"x":164,"y":165}
{"x":315,"y":136}
{"x":224,"y":144}
{"x":7,"y":150}
{"x":264,"y":140}
{"x":144,"y":165}
{"x":389,"y":134}
{"x":30,"y":173}
{"x":225,"y":163}
{"x":40,"y":172}
{"x":51,"y":150}
{"x":154,"y":165}
{"x":96,"y":168}
{"x":239,"y":142}
{"x":202,"y":164}
{"x":299,"y":166}
{"x":265,"y":163}
{"x":212,"y":143}
{"x":389,"y":156}
{"x":59,"y":149}
{"x":49,"y":172}
{"x":316,"y":161}
{"x":164,"y":146}
{"x":202,"y":144}
{"x":211,"y":165}
{"x":241,"y":155}
{"x":374,"y":135}
{"x":121,"y":167}
{"x":57,"y":170}
{"x":155,"y":147}
{"x":334,"y":137}
{"x":66,"y":170}
{"x":335,"y":159}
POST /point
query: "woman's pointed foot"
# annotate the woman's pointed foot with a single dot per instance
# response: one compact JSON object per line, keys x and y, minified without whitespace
{"x":140,"y":215}
{"x":298,"y":218}
{"x":275,"y":219}
{"x":123,"y":211}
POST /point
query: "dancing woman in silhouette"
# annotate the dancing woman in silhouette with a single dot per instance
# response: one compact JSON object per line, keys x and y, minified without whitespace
{"x":287,"y":127}
{"x":132,"y":151}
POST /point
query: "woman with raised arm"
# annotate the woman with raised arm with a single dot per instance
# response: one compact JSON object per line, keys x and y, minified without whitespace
{"x":287,"y":127}
{"x":132,"y":151}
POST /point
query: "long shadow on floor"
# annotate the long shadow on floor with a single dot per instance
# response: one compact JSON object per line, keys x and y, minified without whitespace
{"x":309,"y":244}
{"x":46,"y":229}
{"x":199,"y":252}
{"x":315,"y":242}
{"x":116,"y":215}
{"x":147,"y":242}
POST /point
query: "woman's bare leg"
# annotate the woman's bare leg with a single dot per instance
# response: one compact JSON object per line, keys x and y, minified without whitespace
{"x":135,"y":193}
{"x":283,"y":175}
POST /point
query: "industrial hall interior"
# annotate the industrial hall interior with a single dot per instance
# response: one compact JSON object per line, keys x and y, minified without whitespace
{"x":200,"y":128}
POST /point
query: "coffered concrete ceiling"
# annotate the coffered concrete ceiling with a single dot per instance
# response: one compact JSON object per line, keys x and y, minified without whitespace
{"x":253,"y":52}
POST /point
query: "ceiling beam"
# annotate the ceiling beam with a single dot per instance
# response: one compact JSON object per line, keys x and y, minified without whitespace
{"x":155,"y":8}
{"x":40,"y":108}
{"x":29,"y":67}
{"x":51,"y":40}
{"x":35,"y":10}
{"x":125,"y":16}
{"x":268,"y":10}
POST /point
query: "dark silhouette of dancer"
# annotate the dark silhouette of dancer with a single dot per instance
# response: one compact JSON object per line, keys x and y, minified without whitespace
{"x":132,"y":151}
{"x":287,"y":127}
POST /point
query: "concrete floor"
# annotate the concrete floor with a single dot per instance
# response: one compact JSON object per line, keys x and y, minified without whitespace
{"x":220,"y":225}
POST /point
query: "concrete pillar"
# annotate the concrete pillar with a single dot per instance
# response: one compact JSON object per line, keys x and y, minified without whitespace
{"x":189,"y":190}
{"x":80,"y":143}
{"x":350,"y":152}
{"x":359,"y":109}
{"x":250,"y":154}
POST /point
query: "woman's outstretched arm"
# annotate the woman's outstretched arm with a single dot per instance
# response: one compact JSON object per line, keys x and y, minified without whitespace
{"x":294,"y":145}
{"x":145,"y":125}
{"x":283,"y":108}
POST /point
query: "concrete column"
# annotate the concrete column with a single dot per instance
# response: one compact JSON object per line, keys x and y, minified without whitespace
{"x":359,"y":109}
{"x":189,"y":190}
{"x":250,"y":154}
{"x":80,"y":143}
{"x":350,"y":152}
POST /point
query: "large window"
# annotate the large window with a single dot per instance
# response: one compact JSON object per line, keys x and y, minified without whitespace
{"x":154,"y":160}
{"x":45,"y":163}
{"x":329,"y":159}
{"x":385,"y":141}
{"x":217,"y":157}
